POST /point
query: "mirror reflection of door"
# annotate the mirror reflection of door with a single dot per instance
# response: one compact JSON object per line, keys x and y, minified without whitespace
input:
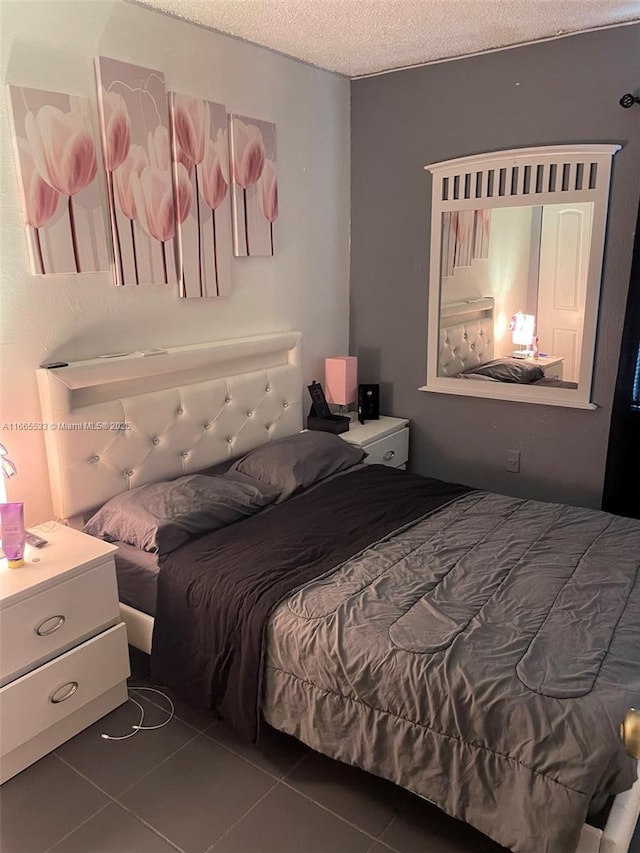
{"x":564,"y":261}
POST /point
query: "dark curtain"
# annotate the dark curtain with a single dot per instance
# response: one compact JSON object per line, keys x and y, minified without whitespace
{"x":621,"y":492}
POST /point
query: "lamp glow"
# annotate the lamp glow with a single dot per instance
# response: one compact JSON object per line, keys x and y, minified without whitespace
{"x":522,"y":330}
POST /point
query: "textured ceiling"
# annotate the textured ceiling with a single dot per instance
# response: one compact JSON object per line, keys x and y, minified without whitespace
{"x":358,"y":37}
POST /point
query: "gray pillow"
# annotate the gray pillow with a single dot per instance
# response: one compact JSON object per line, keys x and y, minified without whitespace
{"x":513,"y":370}
{"x":161,"y":516}
{"x":297,"y":462}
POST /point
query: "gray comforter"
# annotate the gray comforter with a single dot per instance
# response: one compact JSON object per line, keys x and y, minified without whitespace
{"x":482,"y":658}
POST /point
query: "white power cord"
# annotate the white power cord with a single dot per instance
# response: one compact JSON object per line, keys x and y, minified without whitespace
{"x":140,"y":727}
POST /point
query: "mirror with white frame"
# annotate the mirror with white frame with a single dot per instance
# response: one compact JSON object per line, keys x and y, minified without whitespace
{"x":517,"y":243}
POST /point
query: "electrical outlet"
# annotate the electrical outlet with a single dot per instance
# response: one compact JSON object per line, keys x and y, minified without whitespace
{"x":513,"y":461}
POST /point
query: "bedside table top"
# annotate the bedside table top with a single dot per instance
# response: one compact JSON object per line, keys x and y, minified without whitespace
{"x":545,"y":360}
{"x":363,"y":434}
{"x":68,"y":552}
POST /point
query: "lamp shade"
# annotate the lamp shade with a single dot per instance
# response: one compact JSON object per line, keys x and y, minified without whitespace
{"x":523,"y":328}
{"x":341,"y":379}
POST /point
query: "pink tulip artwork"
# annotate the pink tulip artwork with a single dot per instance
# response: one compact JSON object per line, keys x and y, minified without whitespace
{"x":201,"y":165}
{"x":269,"y":195}
{"x":134,"y":121}
{"x":61,"y":203}
{"x":465,"y":238}
{"x":254,"y":185}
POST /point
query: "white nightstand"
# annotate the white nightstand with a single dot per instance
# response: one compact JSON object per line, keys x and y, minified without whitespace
{"x":64,"y":659}
{"x":385,"y":440}
{"x":552,"y":365}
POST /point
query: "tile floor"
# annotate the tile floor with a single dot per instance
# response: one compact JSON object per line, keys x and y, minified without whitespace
{"x":192,"y":786}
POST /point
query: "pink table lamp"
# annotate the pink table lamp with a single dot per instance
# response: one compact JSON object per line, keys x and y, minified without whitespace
{"x":341,"y":380}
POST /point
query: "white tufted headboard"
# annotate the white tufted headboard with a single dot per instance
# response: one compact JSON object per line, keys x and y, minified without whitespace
{"x":466,"y":335}
{"x":116,"y":423}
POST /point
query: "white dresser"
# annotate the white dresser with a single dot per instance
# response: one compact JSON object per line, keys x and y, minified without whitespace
{"x":385,"y":440}
{"x":63,"y":650}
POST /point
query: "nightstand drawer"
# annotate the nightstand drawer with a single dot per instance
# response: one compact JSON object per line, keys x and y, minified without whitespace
{"x":392,"y":450}
{"x":554,"y":371}
{"x":47,"y":695}
{"x":38,"y":628}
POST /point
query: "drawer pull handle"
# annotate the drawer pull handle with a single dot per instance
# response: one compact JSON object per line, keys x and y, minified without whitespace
{"x":64,"y":692}
{"x":50,"y":625}
{"x":389,"y":455}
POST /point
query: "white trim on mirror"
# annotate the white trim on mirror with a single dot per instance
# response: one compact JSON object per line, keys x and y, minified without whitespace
{"x":554,"y":174}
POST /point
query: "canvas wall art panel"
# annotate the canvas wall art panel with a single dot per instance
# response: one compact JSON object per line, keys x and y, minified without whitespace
{"x":134,"y":119}
{"x":465,"y":238}
{"x":57,"y":178}
{"x":254,"y":185}
{"x":203,"y":206}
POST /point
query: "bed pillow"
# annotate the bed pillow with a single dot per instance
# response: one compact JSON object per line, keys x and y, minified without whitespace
{"x":161,"y":516}
{"x":298,"y":461}
{"x":515,"y":370}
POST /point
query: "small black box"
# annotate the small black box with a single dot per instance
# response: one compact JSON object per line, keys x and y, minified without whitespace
{"x":368,"y":403}
{"x":331,"y":423}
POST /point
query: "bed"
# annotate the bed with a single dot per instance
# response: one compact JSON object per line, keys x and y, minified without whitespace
{"x":467,"y":348}
{"x":423,"y":567}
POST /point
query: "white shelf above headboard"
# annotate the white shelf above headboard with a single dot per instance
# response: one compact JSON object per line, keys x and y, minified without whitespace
{"x":95,"y":380}
{"x":468,"y":309}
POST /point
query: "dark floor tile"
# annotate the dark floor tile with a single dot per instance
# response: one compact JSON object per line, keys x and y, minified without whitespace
{"x":286,"y":822}
{"x":379,"y":847}
{"x":421,"y":826}
{"x":275,"y":752}
{"x":42,"y":804}
{"x":197,"y":718}
{"x":635,"y":841}
{"x":360,"y":798}
{"x":195,"y":796}
{"x":115,"y":765}
{"x":113,"y":830}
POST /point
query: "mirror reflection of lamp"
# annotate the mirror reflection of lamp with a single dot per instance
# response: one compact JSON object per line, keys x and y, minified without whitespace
{"x":9,"y":470}
{"x":522,"y":331}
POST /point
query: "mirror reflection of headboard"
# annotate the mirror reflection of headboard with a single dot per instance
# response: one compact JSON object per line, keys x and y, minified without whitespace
{"x":573,"y":179}
{"x":466,"y":335}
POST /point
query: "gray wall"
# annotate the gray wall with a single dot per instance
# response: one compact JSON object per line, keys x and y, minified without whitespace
{"x":556,"y":92}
